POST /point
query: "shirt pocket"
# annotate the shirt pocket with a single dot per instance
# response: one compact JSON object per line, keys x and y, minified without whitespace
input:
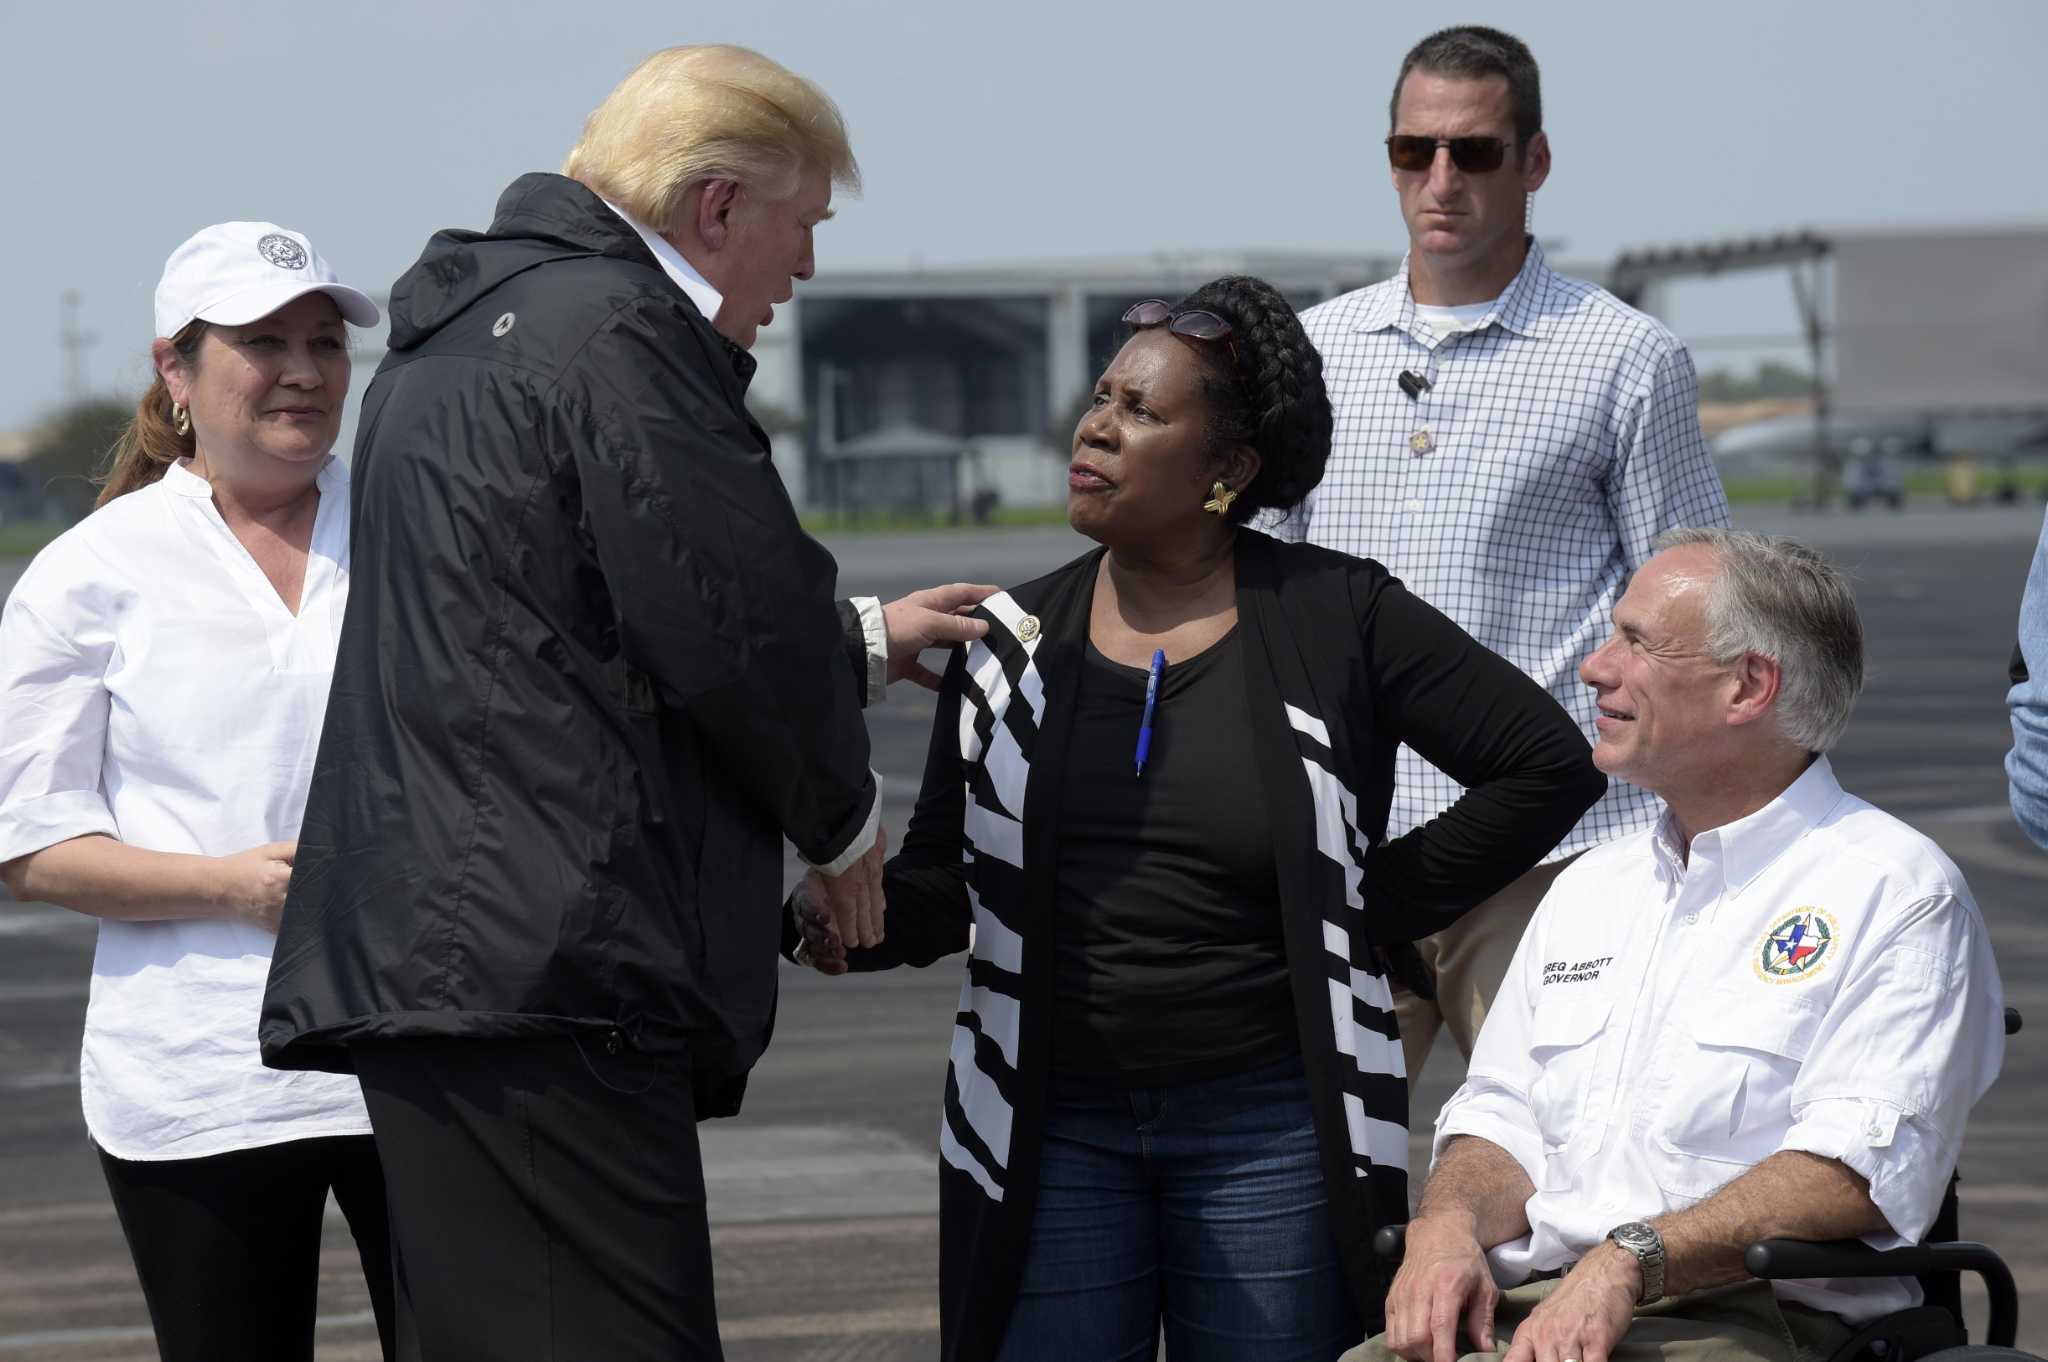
{"x":1564,"y":1040}
{"x":1730,"y":1100}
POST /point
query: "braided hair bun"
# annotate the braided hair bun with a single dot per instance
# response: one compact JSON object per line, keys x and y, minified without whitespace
{"x":1276,"y":402}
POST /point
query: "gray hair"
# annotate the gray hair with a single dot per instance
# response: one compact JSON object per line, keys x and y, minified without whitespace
{"x":1781,"y":600}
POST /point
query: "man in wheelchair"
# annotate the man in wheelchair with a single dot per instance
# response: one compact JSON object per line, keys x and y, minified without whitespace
{"x":1768,"y":1017}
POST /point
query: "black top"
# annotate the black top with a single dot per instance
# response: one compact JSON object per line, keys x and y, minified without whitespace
{"x":1168,"y":962}
{"x":1341,"y":665}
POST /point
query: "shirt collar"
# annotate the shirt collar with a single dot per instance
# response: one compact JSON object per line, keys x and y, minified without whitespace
{"x":695,"y":286}
{"x":180,"y":479}
{"x":1747,"y":846}
{"x":1519,"y":307}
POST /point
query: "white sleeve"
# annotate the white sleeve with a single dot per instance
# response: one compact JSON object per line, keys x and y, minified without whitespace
{"x":53,"y":734}
{"x":1911,"y":1040}
{"x":1493,"y":1101}
{"x":875,"y":632}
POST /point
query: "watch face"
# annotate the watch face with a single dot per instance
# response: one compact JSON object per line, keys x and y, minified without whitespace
{"x":1635,"y":1235}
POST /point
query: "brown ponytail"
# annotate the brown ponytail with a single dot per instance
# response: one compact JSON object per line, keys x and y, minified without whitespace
{"x":151,"y":443}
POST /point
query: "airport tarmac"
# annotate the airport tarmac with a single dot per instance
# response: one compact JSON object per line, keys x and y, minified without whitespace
{"x":823,"y":1195}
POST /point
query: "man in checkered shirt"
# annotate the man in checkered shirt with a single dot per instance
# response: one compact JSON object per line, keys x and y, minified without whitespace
{"x":1508,"y":442}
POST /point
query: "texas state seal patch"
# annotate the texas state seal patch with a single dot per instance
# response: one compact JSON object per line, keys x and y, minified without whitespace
{"x":1796,"y":947}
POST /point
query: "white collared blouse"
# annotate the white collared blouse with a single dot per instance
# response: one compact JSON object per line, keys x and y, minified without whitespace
{"x":156,"y":689}
{"x":1813,"y":977}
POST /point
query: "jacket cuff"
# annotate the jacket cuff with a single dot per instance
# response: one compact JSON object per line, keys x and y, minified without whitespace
{"x":870,"y":828}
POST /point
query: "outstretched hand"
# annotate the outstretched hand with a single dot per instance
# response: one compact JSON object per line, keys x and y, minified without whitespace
{"x":821,"y":949}
{"x":932,"y":618}
{"x":852,"y":901}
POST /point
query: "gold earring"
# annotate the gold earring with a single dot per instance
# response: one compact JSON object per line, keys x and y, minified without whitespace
{"x":181,"y":420}
{"x":1220,"y":497}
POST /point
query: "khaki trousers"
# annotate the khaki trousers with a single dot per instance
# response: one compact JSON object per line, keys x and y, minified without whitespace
{"x":1740,"y":1323}
{"x":1470,"y":958}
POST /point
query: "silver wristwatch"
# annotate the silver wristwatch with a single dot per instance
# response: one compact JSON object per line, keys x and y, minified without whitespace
{"x":1642,"y":1239}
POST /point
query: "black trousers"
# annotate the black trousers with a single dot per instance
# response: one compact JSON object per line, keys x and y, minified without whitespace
{"x":547,"y":1201}
{"x":228,"y":1246}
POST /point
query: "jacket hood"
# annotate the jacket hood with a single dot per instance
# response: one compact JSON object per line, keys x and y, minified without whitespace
{"x":540,"y":218}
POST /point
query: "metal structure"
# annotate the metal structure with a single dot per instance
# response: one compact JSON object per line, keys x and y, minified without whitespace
{"x":1805,"y":256}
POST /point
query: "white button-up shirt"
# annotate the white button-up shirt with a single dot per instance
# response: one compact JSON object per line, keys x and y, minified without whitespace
{"x":154,"y":688}
{"x":1812,"y":977}
{"x":1558,"y":436}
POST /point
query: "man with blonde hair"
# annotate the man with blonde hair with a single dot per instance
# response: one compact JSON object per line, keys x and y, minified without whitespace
{"x":591,"y":675}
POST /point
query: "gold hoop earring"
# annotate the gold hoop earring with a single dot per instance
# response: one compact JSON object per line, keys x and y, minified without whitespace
{"x":181,"y":420}
{"x":1220,"y":497}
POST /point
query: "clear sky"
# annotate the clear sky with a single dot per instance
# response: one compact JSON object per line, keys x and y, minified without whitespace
{"x":986,"y":133}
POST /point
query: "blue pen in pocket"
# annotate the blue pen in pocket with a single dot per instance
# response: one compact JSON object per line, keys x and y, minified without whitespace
{"x":1151,"y":701}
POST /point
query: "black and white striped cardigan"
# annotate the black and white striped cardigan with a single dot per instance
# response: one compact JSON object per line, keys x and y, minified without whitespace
{"x":1318,"y":629}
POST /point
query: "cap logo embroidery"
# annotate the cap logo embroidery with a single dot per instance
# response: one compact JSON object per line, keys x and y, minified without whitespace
{"x":281,"y":251}
{"x":503,"y":324}
{"x":1796,"y":947}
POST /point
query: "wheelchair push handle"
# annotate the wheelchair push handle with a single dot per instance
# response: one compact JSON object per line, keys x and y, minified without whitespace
{"x":1777,"y":1259}
{"x":1391,"y":1243}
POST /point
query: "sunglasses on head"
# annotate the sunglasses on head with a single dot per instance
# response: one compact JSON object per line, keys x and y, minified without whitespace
{"x":1195,"y":323}
{"x":1473,"y":155}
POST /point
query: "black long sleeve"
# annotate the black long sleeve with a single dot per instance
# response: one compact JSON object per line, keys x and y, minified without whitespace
{"x":1527,"y":772}
{"x":925,"y":883}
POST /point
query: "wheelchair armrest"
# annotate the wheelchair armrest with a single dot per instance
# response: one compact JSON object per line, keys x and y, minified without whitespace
{"x":1391,"y":1243}
{"x":1777,"y":1259}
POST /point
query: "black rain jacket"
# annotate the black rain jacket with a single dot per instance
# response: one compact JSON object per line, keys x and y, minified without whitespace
{"x":591,"y":674}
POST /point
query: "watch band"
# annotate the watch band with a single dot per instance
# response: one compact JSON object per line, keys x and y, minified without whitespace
{"x":1641,"y":1239}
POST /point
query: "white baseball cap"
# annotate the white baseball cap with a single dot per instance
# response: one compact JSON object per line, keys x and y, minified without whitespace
{"x":236,"y":272}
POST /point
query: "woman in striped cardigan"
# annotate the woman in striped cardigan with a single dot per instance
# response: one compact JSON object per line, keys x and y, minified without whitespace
{"x":1154,"y":804}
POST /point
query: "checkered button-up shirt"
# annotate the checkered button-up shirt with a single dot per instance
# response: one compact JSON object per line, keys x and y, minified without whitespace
{"x":1557,"y":438}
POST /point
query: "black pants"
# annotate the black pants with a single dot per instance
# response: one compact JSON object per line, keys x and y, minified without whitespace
{"x":228,"y":1246}
{"x":547,"y":1201}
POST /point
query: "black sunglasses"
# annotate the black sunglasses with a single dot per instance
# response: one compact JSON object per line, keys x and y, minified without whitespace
{"x":1473,"y":155}
{"x":1195,"y":323}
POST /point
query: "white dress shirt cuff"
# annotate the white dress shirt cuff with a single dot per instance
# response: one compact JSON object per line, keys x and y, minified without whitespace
{"x":862,"y":840}
{"x":876,"y":631}
{"x":1903,"y":1160}
{"x":33,"y":824}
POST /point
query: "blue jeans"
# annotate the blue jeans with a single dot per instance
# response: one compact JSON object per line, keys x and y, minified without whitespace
{"x":1200,"y":1206}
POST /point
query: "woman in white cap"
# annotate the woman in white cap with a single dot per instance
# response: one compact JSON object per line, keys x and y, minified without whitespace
{"x":163,"y":677}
